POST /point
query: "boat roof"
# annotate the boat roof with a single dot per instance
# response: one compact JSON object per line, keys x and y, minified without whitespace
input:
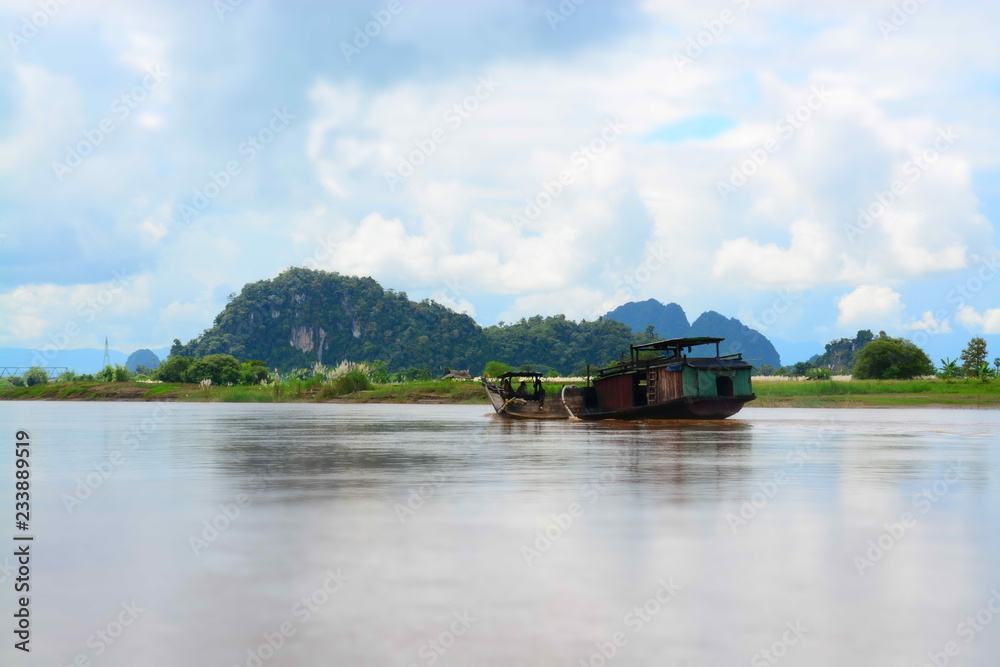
{"x":675,"y":343}
{"x":520,"y":374}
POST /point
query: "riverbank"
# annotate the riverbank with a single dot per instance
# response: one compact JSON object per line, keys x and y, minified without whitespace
{"x":831,"y":394}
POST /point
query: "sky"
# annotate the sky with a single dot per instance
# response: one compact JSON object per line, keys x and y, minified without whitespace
{"x":811,"y":168}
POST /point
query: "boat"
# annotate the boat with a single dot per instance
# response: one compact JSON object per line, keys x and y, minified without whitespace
{"x":662,"y":380}
{"x":524,"y":402}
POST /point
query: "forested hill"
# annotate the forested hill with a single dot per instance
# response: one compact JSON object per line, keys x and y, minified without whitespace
{"x":304,"y":316}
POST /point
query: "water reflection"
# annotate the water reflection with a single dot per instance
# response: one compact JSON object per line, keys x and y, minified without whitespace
{"x":549,"y":534}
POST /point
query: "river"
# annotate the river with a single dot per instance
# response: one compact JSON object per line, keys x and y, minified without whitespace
{"x":334,"y":534}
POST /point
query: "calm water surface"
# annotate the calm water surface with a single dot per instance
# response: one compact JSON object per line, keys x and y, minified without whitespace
{"x":418,"y":535}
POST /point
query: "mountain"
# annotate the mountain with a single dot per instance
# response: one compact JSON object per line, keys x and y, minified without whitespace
{"x":303,"y":317}
{"x":142,"y":357}
{"x":670,"y":321}
{"x":739,"y":338}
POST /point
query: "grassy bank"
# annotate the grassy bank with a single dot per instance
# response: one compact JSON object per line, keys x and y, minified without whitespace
{"x":295,"y":391}
{"x":849,"y":393}
{"x":876,"y":393}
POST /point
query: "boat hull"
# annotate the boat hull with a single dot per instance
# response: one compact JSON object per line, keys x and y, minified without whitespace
{"x":525,"y":408}
{"x":685,"y":407}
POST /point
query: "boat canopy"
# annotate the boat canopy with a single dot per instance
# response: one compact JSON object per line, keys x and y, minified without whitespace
{"x":677,"y":345}
{"x":520,"y":374}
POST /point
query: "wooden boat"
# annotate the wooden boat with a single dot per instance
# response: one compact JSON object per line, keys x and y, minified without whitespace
{"x":661,"y":381}
{"x":528,"y":403}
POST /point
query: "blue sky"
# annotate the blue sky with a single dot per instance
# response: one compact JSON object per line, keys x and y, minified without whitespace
{"x":504,"y":158}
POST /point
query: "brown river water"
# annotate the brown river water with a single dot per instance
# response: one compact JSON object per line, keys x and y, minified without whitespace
{"x":272,"y":535}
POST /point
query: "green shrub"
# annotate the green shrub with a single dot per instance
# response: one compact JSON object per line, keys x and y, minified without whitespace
{"x":496,"y":369}
{"x":348,"y":383}
{"x":887,"y":358}
{"x":221,"y":369}
{"x":173,"y":369}
{"x":818,"y":374}
{"x":254,"y":372}
{"x":35,"y":375}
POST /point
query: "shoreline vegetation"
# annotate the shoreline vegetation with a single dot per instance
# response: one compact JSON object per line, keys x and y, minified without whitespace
{"x":971,"y":393}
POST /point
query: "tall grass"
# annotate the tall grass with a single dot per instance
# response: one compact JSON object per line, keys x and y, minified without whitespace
{"x":349,"y":382}
{"x":869,"y":387}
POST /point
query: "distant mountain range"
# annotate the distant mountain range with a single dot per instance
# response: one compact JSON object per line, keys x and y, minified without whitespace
{"x":303,"y":317}
{"x":670,"y":321}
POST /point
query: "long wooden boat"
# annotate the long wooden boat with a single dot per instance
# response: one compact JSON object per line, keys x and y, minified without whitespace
{"x":661,"y":381}
{"x":523,"y":402}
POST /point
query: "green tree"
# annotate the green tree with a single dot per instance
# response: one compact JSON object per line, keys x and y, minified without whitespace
{"x":495,"y":369}
{"x":254,"y":371}
{"x":222,"y":369}
{"x":173,"y":369}
{"x":801,"y":368}
{"x":36,"y":375}
{"x":974,"y":356}
{"x":949,"y":369}
{"x":16,"y":381}
{"x":887,"y":358}
{"x":985,"y":372}
{"x":67,"y":376}
{"x":378,"y":372}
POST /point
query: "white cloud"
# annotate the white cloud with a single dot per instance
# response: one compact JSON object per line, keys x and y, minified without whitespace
{"x":870,"y":305}
{"x":987,"y":322}
{"x":806,"y":262}
{"x":929,"y":323}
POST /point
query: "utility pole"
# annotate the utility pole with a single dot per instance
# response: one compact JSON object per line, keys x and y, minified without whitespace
{"x":107,"y":354}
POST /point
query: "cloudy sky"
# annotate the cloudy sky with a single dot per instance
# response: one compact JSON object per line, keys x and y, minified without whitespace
{"x":812,"y":168}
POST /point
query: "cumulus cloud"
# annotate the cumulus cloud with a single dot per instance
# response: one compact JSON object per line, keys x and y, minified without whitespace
{"x":987,"y":322}
{"x":869,"y":305}
{"x":929,"y":323}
